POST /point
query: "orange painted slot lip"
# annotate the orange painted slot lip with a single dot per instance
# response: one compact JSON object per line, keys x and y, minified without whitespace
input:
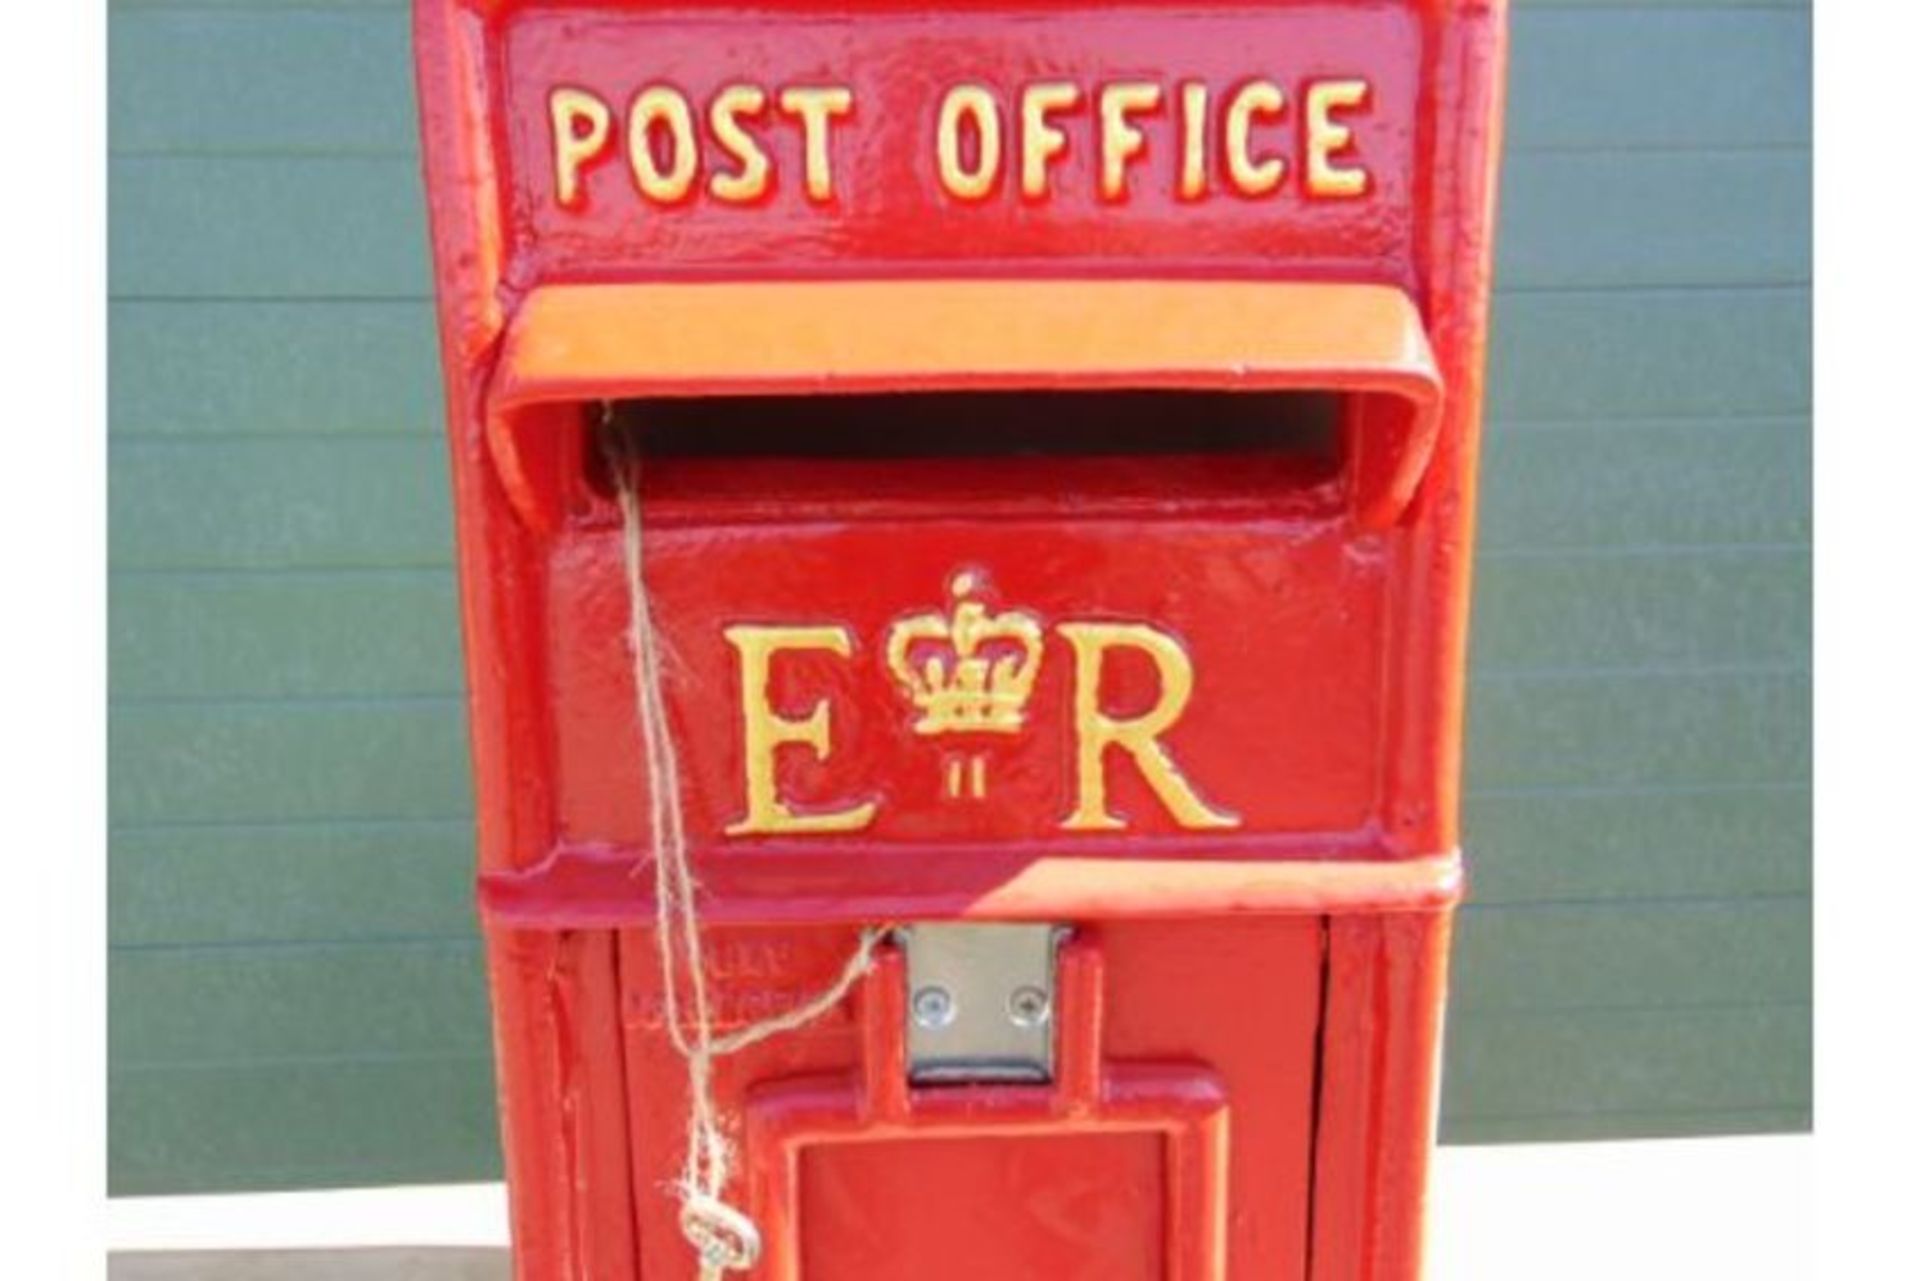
{"x":689,"y":339}
{"x":580,"y":342}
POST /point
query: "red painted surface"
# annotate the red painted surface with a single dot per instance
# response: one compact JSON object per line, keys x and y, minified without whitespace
{"x":1249,"y":1015}
{"x":1074,"y":1191}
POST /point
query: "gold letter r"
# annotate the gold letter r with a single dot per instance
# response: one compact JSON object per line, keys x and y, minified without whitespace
{"x":1138,"y":737}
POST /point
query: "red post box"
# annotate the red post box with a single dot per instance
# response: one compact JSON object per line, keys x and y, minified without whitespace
{"x":964,"y":519}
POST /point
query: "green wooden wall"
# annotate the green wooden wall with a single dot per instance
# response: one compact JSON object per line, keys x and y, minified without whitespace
{"x":296,"y":993}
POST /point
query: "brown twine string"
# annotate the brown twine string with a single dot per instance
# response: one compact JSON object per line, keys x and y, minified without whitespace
{"x":723,"y":1235}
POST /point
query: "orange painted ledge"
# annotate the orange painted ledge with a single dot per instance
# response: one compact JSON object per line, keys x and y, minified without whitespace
{"x":689,"y":339}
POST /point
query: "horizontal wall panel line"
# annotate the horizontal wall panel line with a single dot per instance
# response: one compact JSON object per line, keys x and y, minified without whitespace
{"x":1654,"y":671}
{"x":421,"y":303}
{"x":1732,"y":1109}
{"x":270,"y":825}
{"x":1535,"y":552}
{"x":440,"y":697}
{"x":424,"y":301}
{"x":268,"y":8}
{"x":1661,"y":288}
{"x":271,"y":828}
{"x":1675,"y":904}
{"x":292,"y":152}
{"x":188,"y":151}
{"x":1643,"y":9}
{"x":1667,"y":788}
{"x":444,"y":568}
{"x":400,"y":298}
{"x":1796,"y":423}
{"x":1465,"y":1010}
{"x":1691,"y":287}
{"x":428,"y":433}
{"x":228,"y":572}
{"x":447,"y":942}
{"x":1652,"y":149}
{"x":453,"y":697}
{"x":1519,"y":7}
{"x":1570,"y":551}
{"x":424,"y":432}
{"x":139,"y":1067}
{"x":275,"y":569}
{"x":1644,"y":903}
{"x":415,"y":298}
{"x":1476,"y":905}
{"x":147,"y":1067}
{"x":128,"y":1067}
{"x":1676,"y":788}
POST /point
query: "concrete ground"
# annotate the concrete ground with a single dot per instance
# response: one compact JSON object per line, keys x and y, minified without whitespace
{"x":1572,"y":1211}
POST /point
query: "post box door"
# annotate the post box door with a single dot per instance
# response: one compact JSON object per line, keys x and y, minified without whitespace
{"x":1218,"y":1019}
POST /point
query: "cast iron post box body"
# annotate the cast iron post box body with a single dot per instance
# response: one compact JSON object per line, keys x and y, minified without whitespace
{"x":1054,"y":431}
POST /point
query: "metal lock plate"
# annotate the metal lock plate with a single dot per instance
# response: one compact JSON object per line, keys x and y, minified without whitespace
{"x":980,"y":1002}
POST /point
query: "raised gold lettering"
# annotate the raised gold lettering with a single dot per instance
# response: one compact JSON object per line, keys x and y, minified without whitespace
{"x":1251,"y":176}
{"x":1139,"y":736}
{"x":569,"y":109}
{"x":749,"y":182}
{"x":765,"y":731}
{"x":968,"y":106}
{"x":1327,"y":138}
{"x":1120,"y":139}
{"x":1040,"y":140}
{"x":1193,"y":144}
{"x":655,"y":108}
{"x":816,"y":107}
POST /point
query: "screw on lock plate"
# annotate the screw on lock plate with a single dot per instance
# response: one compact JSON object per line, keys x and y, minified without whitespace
{"x":980,"y":1002}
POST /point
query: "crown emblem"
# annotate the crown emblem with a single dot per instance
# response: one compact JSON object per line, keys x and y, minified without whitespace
{"x":970,"y":671}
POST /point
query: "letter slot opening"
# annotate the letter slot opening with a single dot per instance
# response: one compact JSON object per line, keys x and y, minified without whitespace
{"x":1074,"y":452}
